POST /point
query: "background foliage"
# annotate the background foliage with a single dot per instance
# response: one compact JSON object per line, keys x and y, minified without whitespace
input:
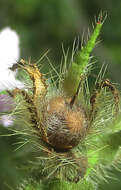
{"x":44,"y":25}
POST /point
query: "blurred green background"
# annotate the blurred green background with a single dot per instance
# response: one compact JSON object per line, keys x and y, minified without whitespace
{"x":43,"y":25}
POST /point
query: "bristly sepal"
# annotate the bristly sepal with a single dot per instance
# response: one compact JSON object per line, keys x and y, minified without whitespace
{"x":81,"y":60}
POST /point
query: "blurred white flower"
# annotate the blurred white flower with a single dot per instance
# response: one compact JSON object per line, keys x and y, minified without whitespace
{"x":9,"y":54}
{"x":6,"y":120}
{"x":6,"y":105}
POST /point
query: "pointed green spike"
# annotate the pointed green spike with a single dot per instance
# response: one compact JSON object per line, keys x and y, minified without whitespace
{"x":76,"y":71}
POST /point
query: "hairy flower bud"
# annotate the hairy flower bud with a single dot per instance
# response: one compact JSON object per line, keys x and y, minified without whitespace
{"x":65,"y":126}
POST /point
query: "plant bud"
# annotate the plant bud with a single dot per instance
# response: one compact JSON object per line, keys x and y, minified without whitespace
{"x":65,"y":126}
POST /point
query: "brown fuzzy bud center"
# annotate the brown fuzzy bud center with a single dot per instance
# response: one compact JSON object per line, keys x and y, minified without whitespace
{"x":65,"y":126}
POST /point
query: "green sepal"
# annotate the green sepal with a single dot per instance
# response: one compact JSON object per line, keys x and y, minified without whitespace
{"x":81,"y":61}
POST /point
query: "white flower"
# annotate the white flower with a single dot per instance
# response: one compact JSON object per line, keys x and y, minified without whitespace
{"x":9,"y":54}
{"x":6,"y":120}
